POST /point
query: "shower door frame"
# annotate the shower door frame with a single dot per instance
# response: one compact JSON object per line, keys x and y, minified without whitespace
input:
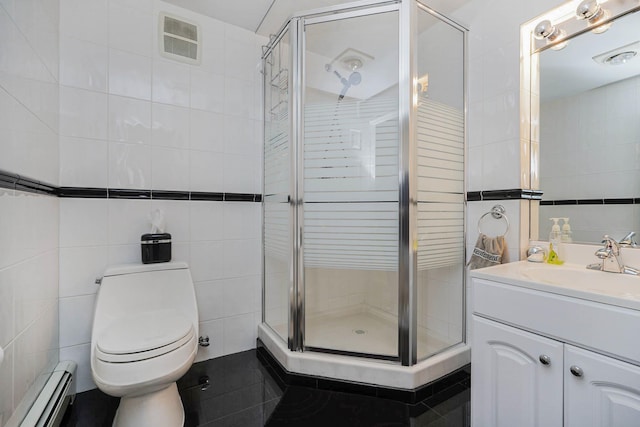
{"x":407,"y":165}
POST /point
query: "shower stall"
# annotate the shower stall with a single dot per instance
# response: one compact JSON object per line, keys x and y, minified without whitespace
{"x":364,"y":193}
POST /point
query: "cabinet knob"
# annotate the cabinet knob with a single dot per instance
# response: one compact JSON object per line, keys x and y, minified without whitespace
{"x":545,"y":360}
{"x":576,"y":371}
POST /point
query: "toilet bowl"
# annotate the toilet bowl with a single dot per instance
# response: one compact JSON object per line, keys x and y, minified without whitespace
{"x":144,"y":338}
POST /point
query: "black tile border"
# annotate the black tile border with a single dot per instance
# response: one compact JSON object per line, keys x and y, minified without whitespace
{"x":617,"y":201}
{"x":285,"y":378}
{"x":510,"y":194}
{"x":169,"y":195}
{"x":8,"y":180}
{"x":239,"y":197}
{"x":17,"y":182}
{"x":566,"y":202}
{"x":203,"y":196}
{"x":33,"y":186}
{"x":83,"y":193}
{"x":476,"y":196}
{"x":119,"y":193}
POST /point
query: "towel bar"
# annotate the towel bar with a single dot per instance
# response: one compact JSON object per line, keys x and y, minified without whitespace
{"x":498,"y":212}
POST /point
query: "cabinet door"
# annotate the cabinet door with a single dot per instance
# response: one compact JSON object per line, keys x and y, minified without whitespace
{"x":510,"y":385}
{"x":607,"y":394}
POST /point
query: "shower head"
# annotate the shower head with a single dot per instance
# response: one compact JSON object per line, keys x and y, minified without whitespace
{"x":354,"y":79}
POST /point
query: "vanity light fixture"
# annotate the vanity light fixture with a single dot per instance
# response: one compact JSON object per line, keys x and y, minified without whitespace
{"x":545,"y":30}
{"x":593,"y":13}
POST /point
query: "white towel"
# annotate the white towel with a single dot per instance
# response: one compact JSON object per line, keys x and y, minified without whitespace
{"x":489,"y":251}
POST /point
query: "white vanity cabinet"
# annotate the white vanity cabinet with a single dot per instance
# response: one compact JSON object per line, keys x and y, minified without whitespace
{"x":545,"y":359}
{"x":516,"y":377}
{"x":607,"y":394}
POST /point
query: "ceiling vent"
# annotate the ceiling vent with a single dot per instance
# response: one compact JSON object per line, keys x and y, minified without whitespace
{"x":180,"y":40}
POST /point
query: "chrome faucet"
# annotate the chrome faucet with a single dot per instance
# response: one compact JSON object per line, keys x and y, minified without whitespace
{"x":629,"y":240}
{"x":611,"y":257}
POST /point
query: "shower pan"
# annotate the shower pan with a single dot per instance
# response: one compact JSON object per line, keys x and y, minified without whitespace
{"x":364,"y":203}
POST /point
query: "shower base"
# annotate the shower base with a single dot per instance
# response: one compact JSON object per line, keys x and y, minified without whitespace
{"x":363,"y":332}
{"x":338,"y":332}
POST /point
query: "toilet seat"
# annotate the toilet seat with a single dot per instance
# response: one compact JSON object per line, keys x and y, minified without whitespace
{"x":143,"y":336}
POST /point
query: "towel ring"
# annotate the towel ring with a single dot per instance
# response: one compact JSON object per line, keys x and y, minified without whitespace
{"x":498,"y":212}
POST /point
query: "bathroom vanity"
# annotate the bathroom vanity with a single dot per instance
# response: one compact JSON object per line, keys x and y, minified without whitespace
{"x":555,"y":346}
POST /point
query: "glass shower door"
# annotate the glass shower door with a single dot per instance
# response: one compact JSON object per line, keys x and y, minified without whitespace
{"x":350,"y":206}
{"x":277,"y":216}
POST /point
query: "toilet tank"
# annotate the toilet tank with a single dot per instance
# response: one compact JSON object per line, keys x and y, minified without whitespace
{"x":136,"y":288}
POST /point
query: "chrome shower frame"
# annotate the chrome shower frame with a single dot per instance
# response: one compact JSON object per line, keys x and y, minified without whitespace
{"x":407,"y":178}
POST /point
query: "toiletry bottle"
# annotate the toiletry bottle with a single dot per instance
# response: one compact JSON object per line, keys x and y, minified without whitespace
{"x":566,"y":231}
{"x":555,"y":244}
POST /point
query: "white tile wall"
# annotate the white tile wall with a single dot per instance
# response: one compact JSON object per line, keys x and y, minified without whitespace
{"x":86,"y":18}
{"x":84,"y":64}
{"x":171,"y":84}
{"x":167,"y":126}
{"x":224,"y":260}
{"x":129,"y":165}
{"x":28,"y":295}
{"x":92,"y":170}
{"x":28,"y":223}
{"x":129,"y":74}
{"x":581,"y":166}
{"x":494,"y":84}
{"x":131,"y":28}
{"x":170,"y":126}
{"x":129,"y":120}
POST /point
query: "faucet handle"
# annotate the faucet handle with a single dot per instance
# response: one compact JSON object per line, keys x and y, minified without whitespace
{"x":603,"y":253}
{"x":629,"y":240}
{"x":611,"y":243}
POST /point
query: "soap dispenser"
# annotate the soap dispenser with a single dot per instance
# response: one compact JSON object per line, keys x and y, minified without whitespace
{"x":555,"y":243}
{"x":566,"y":232}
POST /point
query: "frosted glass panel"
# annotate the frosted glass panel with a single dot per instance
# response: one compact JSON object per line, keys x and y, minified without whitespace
{"x":350,"y":185}
{"x":277,"y":187}
{"x":440,"y":184}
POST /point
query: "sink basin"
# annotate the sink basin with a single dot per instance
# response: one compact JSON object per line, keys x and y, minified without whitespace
{"x":569,"y":279}
{"x":593,"y":280}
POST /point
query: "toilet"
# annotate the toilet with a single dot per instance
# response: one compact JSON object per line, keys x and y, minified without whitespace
{"x":144,"y":338}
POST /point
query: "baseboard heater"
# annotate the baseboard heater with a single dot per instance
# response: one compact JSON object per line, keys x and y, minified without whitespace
{"x":52,"y":402}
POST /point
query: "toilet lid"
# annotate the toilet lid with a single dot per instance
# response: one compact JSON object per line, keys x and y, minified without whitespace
{"x":143,"y":332}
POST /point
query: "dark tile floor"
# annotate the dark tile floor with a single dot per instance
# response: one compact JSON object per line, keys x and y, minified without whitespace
{"x":237,"y":391}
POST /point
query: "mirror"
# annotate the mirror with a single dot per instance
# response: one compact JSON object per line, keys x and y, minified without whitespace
{"x":589,"y":133}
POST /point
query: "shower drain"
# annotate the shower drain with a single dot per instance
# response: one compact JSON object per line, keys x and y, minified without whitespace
{"x":360,"y":331}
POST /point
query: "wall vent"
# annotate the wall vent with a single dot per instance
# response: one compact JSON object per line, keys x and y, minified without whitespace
{"x":180,"y":40}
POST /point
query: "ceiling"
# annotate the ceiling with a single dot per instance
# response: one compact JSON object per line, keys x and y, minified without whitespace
{"x":265,"y":17}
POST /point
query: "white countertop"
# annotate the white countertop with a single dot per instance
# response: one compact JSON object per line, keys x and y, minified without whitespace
{"x":572,"y":280}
